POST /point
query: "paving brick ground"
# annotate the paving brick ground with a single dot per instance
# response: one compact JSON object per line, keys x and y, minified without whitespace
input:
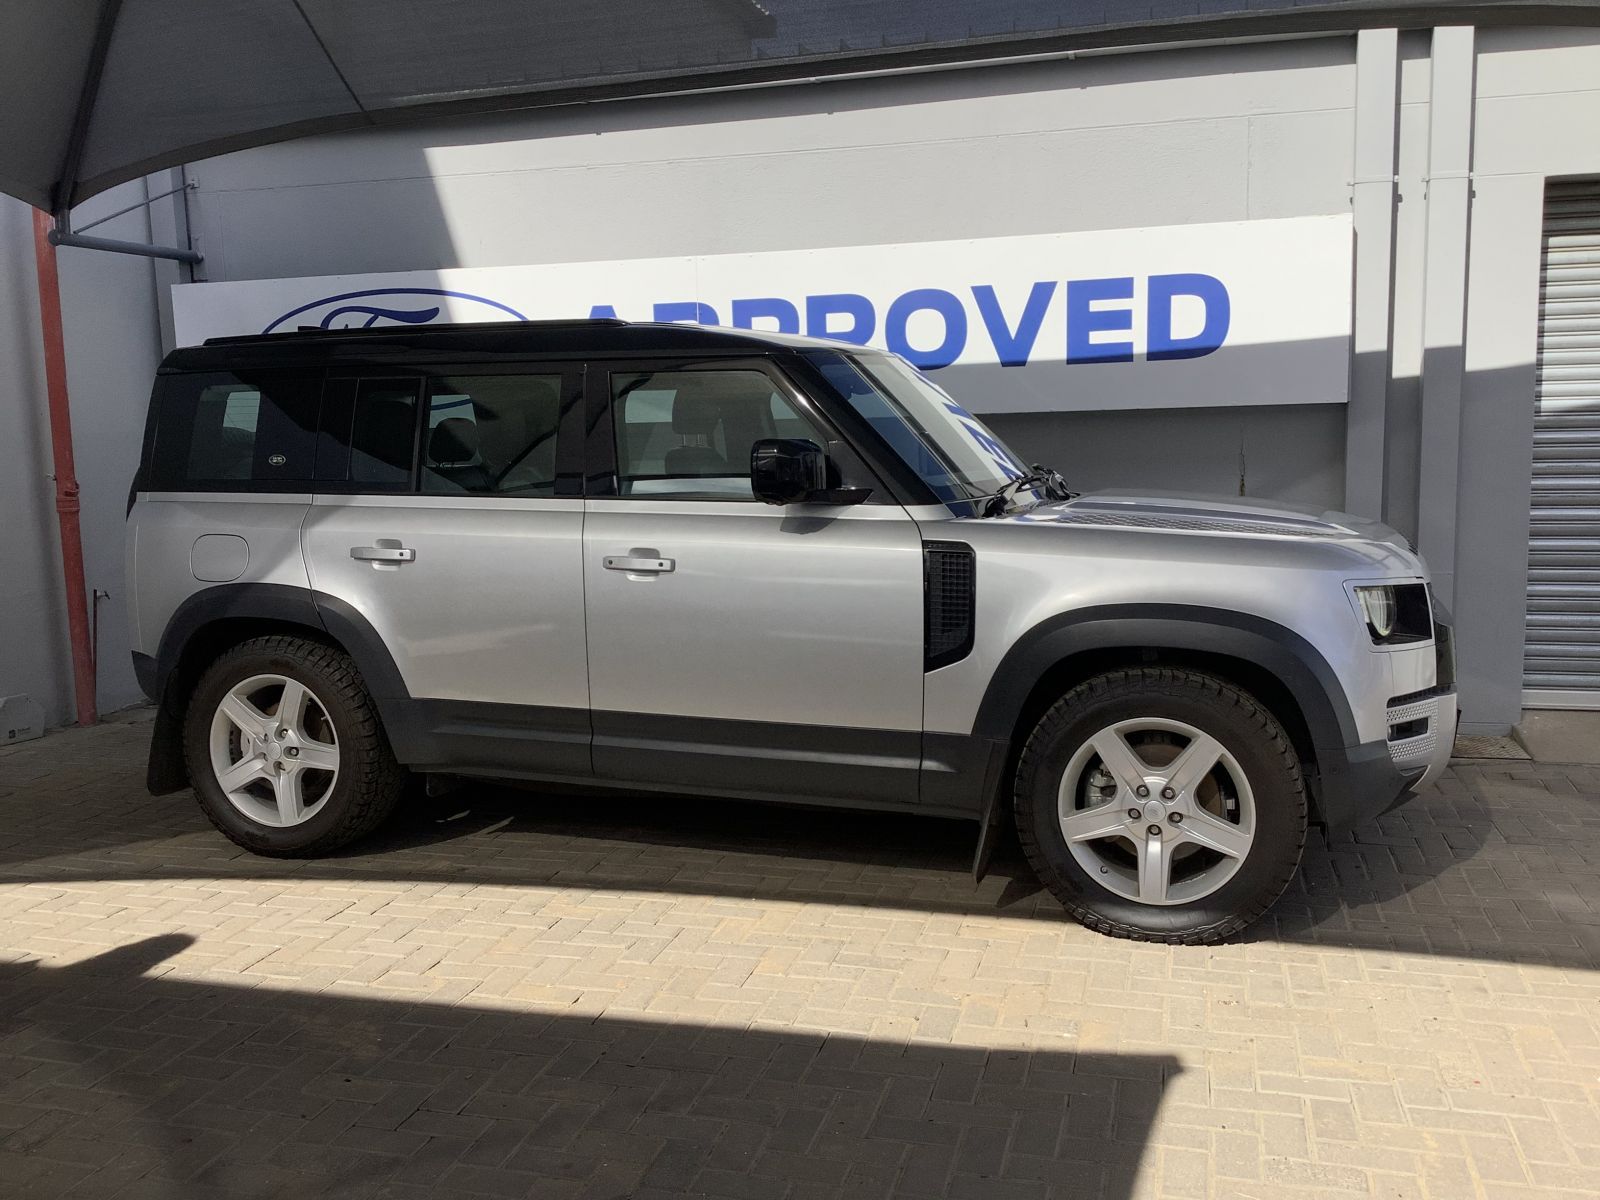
{"x":513,"y":995}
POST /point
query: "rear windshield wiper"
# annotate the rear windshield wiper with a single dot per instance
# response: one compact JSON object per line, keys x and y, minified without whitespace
{"x":1038,"y":478}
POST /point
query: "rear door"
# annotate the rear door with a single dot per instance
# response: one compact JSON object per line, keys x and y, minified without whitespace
{"x":448,"y":515}
{"x":736,"y":646}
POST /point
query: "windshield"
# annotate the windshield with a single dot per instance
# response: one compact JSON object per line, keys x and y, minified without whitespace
{"x":954,"y":452}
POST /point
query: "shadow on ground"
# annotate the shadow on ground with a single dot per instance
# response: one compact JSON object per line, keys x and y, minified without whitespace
{"x":151,"y":1086}
{"x":1499,"y":861}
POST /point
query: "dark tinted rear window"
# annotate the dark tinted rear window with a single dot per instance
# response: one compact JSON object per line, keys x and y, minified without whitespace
{"x":369,"y":433}
{"x":223,"y":431}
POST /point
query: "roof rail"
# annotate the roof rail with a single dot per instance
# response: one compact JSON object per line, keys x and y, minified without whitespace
{"x":318,"y":333}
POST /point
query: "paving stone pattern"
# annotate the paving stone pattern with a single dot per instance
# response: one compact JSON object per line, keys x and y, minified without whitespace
{"x":517,"y":995}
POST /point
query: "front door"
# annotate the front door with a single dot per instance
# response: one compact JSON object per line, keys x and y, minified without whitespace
{"x":449,"y":518}
{"x":735,"y":646}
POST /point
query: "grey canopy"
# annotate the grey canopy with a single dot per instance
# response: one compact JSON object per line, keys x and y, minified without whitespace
{"x":96,"y":92}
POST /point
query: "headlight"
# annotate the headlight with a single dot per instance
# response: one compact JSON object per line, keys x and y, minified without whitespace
{"x":1379,"y":608}
{"x":1395,"y":612}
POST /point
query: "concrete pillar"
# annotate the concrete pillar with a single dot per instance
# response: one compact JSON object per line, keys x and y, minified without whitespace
{"x":1449,"y":208}
{"x":1372,"y":202}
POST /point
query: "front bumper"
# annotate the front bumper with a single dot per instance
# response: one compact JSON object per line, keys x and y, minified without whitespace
{"x":1426,"y":723}
{"x":1358,"y":783}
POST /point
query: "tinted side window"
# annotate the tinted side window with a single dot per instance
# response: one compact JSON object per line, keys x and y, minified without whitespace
{"x":689,"y":433}
{"x":369,"y":433}
{"x":383,"y":432}
{"x":222,"y":431}
{"x":492,"y":434}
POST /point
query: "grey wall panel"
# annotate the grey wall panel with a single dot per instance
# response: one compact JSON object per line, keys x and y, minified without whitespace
{"x":113,"y":340}
{"x":113,"y":346}
{"x":1292,"y":452}
{"x":1496,"y":399}
{"x":1301,"y":162}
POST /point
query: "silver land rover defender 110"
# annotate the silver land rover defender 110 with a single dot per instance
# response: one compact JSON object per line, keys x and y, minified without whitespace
{"x":722,"y":562}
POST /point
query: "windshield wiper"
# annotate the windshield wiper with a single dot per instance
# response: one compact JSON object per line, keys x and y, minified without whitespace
{"x":1038,"y":478}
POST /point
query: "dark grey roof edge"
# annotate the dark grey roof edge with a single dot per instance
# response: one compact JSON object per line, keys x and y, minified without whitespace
{"x":510,"y":339}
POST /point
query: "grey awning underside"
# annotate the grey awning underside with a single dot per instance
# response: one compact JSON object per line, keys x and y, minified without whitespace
{"x":95,"y":92}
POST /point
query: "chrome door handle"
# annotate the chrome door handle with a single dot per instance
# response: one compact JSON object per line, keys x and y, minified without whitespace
{"x":639,"y":566}
{"x":384,"y":554}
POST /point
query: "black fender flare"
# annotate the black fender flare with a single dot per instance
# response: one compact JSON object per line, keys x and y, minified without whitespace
{"x":279,"y":604}
{"x":1285,"y":654}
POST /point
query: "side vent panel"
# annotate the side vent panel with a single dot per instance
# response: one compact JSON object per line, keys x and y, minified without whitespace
{"x":949,"y":602}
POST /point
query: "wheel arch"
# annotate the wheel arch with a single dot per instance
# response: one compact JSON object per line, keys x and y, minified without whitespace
{"x":1274,"y":664}
{"x":212,"y":620}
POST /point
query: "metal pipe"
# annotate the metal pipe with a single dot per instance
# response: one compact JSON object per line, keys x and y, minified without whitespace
{"x":116,"y":247}
{"x":137,"y":204}
{"x":55,"y":382}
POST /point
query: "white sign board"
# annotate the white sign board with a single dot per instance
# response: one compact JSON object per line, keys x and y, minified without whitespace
{"x":1245,"y":312}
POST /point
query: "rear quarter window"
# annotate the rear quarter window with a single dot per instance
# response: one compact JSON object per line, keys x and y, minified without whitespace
{"x":222,"y":431}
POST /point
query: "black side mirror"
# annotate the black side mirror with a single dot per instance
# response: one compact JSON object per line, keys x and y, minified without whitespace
{"x":787,"y":470}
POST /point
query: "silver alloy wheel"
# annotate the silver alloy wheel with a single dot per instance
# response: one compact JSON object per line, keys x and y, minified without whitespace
{"x":1156,"y":811}
{"x":274,"y":750}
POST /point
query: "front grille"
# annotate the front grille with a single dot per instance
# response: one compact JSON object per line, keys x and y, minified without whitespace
{"x":950,"y":594}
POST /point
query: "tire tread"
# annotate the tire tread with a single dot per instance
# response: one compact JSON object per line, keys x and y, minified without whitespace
{"x":1156,"y":681}
{"x":376,"y":779}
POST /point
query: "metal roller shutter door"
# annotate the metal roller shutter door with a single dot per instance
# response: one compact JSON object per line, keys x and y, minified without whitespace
{"x":1561,"y":658}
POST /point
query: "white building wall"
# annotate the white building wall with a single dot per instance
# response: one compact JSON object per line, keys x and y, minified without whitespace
{"x":1095,"y":143}
{"x":1100,"y":142}
{"x":1114,"y":141}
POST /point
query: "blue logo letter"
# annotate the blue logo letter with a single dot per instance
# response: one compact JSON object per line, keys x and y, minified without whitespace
{"x":1014,"y":348}
{"x":747,"y":312}
{"x":1083,"y":320}
{"x":1210,"y":292}
{"x":858,"y":308}
{"x":955,"y":327}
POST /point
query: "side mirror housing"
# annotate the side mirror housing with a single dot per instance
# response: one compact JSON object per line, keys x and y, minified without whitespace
{"x":787,"y":470}
{"x":794,"y":471}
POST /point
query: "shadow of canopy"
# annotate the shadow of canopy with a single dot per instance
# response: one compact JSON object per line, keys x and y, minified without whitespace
{"x":198,"y":1089}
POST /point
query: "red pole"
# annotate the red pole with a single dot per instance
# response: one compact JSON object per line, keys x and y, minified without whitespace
{"x":55,"y":383}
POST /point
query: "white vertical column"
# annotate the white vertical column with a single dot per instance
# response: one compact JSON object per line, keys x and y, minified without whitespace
{"x":1449,"y":209}
{"x":1372,"y":201}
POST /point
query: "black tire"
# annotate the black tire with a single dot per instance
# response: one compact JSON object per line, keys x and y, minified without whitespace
{"x":369,"y":781}
{"x":1248,"y":732}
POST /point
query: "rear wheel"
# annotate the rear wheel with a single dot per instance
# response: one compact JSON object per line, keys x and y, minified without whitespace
{"x":285,"y":749}
{"x":1162,"y":805}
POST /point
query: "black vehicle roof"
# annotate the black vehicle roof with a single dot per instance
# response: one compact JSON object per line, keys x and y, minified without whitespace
{"x":499,"y":339}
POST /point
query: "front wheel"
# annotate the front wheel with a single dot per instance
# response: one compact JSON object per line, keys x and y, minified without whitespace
{"x":285,"y":749}
{"x":1163,"y":805}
